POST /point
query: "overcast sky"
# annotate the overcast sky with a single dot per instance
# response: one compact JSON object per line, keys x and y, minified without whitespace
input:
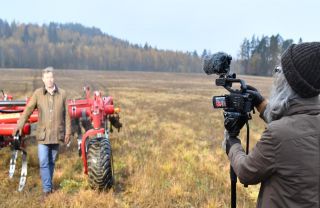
{"x":184,"y":25}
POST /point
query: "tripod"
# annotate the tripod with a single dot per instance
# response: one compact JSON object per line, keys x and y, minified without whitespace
{"x":233,"y":176}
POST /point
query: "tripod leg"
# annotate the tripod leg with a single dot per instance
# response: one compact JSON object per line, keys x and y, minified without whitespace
{"x":233,"y":179}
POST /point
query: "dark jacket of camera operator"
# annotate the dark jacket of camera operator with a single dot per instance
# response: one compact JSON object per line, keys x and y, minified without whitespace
{"x":286,"y":160}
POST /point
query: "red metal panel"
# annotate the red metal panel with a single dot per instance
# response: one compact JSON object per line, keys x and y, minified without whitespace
{"x":7,"y":129}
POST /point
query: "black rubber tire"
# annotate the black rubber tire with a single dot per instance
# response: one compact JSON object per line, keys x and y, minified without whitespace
{"x":99,"y":161}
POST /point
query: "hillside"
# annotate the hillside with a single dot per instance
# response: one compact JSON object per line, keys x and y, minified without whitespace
{"x":74,"y":46}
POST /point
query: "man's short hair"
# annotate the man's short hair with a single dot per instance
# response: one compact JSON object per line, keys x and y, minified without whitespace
{"x":47,"y":70}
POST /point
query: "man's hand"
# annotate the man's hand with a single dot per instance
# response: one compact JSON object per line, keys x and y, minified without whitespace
{"x":17,"y":131}
{"x":67,"y":139}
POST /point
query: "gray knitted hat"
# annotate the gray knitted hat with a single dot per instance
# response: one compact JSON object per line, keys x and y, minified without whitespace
{"x":301,"y":67}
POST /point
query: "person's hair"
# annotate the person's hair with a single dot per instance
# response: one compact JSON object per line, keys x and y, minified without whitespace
{"x":47,"y":70}
{"x":281,"y":94}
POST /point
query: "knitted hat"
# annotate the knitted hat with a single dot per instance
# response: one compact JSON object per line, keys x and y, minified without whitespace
{"x":301,"y":67}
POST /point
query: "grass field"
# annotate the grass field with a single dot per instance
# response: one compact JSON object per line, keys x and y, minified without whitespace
{"x":168,"y":153}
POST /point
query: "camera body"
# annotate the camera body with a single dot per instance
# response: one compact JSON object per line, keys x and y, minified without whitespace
{"x":234,"y":102}
{"x":238,"y":100}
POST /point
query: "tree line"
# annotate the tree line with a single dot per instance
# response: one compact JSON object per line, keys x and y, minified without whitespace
{"x":259,"y":56}
{"x":73,"y":46}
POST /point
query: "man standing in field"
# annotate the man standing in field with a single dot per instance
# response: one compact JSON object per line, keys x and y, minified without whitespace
{"x":53,"y":125}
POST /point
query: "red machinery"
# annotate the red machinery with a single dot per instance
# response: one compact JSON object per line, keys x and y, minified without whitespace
{"x":10,"y":111}
{"x":95,"y":144}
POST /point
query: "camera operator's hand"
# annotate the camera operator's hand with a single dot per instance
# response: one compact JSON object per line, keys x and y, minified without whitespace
{"x":257,"y":97}
{"x":258,"y":100}
{"x":233,"y":122}
{"x":229,"y":141}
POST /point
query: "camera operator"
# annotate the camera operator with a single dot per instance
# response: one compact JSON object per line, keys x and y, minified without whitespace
{"x":286,"y":160}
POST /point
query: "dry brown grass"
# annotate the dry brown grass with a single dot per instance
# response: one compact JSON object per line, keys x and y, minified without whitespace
{"x":167,"y":155}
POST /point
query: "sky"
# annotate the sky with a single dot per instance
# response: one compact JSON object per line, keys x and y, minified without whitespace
{"x":179,"y":25}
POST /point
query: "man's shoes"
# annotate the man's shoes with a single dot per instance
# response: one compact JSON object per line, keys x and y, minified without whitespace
{"x":44,"y":196}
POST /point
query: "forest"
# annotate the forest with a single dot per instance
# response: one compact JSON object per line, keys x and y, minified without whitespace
{"x":259,"y":56}
{"x":74,"y":46}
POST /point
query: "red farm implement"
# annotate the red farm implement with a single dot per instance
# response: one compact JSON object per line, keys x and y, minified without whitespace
{"x":95,"y":145}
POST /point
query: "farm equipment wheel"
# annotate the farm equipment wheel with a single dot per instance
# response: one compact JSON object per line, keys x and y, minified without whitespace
{"x":100,"y":167}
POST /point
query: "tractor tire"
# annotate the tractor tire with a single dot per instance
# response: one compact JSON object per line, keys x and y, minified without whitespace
{"x":99,"y":161}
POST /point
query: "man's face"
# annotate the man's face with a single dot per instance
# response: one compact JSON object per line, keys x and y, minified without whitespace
{"x":48,"y":80}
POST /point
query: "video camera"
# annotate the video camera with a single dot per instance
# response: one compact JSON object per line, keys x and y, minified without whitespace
{"x":238,"y":100}
{"x":237,"y":105}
